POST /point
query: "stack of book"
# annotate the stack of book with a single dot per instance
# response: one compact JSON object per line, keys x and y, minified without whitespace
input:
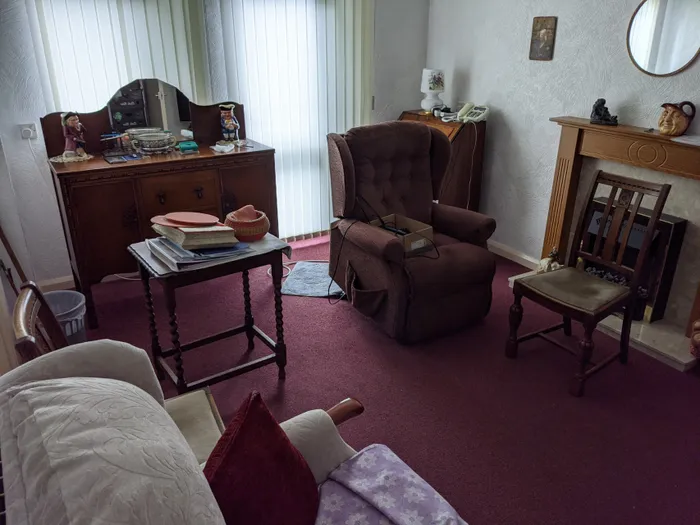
{"x":191,"y":240}
{"x":198,"y":237}
{"x":177,"y":258}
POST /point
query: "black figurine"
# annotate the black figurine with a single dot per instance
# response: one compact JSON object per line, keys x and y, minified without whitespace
{"x":601,"y":115}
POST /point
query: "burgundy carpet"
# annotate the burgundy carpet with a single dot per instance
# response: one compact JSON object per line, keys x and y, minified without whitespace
{"x":502,"y":440}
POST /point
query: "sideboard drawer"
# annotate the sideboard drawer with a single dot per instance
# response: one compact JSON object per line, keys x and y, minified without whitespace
{"x":187,"y":191}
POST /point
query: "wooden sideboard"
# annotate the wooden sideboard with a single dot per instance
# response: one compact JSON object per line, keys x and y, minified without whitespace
{"x":461,"y":185}
{"x":106,"y":207}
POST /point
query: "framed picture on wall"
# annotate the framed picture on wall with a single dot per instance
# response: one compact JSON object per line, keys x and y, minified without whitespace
{"x":544,"y":32}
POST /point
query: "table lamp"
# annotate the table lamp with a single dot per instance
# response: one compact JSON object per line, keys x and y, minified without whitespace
{"x":432,"y":83}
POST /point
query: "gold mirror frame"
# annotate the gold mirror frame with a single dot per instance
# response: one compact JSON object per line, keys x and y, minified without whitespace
{"x":629,"y":51}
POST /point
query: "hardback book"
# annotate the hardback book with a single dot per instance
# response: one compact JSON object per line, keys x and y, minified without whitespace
{"x":193,"y":238}
{"x":177,"y":258}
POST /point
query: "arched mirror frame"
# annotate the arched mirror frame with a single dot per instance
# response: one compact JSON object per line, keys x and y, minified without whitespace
{"x":629,"y":50}
{"x":205,"y":124}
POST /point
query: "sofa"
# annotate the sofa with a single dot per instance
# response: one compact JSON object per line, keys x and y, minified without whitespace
{"x":87,"y":437}
{"x":397,"y":168}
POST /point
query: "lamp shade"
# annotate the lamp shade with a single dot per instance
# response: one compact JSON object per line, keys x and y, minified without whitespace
{"x":433,"y":81}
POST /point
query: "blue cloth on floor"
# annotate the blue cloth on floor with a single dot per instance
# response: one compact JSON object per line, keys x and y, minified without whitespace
{"x":310,"y":279}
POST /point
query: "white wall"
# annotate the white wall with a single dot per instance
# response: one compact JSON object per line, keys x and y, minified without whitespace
{"x":401,"y":43}
{"x":484,"y":46}
{"x":30,"y":216}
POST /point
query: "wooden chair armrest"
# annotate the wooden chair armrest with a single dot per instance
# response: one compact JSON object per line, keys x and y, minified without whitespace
{"x":346,"y":409}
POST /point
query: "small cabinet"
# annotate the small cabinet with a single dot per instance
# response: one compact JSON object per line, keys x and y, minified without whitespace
{"x":104,"y":222}
{"x":461,"y":184}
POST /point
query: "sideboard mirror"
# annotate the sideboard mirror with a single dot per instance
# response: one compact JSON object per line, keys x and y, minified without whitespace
{"x":663,"y":37}
{"x":149,"y":103}
{"x":143,"y":103}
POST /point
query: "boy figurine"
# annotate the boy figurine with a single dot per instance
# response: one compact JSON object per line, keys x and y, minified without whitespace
{"x":74,"y":133}
{"x":229,"y":123}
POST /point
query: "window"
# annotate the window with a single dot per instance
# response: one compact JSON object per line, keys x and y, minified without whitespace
{"x":302,"y":68}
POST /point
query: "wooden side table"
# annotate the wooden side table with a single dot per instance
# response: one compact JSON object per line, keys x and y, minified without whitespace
{"x":265,"y":252}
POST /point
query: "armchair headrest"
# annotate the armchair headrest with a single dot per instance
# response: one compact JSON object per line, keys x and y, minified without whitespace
{"x":393,"y":167}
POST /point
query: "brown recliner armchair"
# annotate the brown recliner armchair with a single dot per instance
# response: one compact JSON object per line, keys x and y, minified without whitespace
{"x":397,"y":167}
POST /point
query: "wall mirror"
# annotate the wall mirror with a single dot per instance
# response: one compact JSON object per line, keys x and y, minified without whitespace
{"x":663,"y":37}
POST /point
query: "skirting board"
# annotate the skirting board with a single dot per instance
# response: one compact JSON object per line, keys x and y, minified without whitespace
{"x":512,"y":255}
{"x":59,"y":283}
{"x":66,"y":282}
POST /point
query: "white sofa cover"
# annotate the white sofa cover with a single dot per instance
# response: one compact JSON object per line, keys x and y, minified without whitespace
{"x":87,"y":451}
{"x":84,"y":439}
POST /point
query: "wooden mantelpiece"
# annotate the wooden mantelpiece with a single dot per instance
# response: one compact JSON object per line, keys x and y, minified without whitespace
{"x":625,"y":144}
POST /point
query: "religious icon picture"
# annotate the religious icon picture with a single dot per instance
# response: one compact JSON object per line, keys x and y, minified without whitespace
{"x":544,"y":32}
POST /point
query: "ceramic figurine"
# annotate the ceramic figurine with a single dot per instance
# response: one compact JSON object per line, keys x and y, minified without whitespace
{"x":549,"y":263}
{"x":229,"y":123}
{"x":74,"y":133}
{"x":674,"y":120}
{"x":601,"y":115}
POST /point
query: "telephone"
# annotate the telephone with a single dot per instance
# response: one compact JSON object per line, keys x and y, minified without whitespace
{"x":472,"y":113}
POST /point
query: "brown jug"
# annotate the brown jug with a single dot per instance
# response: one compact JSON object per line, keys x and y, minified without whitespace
{"x":674,"y":120}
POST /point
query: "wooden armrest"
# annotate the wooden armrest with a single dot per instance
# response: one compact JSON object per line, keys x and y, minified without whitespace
{"x":346,"y":409}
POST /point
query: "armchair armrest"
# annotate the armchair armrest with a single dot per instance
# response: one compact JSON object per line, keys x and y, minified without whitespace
{"x":105,"y":358}
{"x":315,"y":436}
{"x":464,"y":225}
{"x":375,"y":241}
{"x":346,"y":409}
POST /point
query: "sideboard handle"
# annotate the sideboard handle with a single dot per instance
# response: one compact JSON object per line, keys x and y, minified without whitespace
{"x":200,"y":192}
{"x":161,"y":197}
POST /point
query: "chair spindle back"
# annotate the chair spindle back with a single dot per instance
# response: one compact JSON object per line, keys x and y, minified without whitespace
{"x":616,"y":223}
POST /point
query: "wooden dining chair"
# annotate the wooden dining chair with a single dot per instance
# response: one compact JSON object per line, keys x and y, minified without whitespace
{"x":583,"y":297}
{"x":37,"y":331}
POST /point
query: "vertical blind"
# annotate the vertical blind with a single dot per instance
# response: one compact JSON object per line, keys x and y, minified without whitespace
{"x":88,"y":49}
{"x":302,"y":68}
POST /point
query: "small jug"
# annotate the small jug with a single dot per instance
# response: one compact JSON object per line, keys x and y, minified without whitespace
{"x":674,"y":120}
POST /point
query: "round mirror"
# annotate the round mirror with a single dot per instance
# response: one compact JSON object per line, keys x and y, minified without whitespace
{"x":664,"y":36}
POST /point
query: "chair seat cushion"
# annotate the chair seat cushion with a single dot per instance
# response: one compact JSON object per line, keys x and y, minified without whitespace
{"x":449,"y":269}
{"x":575,"y":289}
{"x":441,"y":239}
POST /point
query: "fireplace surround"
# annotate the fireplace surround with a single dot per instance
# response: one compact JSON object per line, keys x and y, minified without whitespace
{"x":584,"y":148}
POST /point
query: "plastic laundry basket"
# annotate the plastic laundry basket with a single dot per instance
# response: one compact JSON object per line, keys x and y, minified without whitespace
{"x":69,"y":308}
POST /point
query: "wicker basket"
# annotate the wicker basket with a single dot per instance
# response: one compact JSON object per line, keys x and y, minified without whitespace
{"x":249,"y":231}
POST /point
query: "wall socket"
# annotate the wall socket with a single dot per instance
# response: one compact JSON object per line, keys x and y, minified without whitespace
{"x":27,"y":131}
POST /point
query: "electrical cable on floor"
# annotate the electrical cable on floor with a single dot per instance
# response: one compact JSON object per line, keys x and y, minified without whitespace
{"x":337,"y":263}
{"x":125,"y":278}
{"x":288,"y":266}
